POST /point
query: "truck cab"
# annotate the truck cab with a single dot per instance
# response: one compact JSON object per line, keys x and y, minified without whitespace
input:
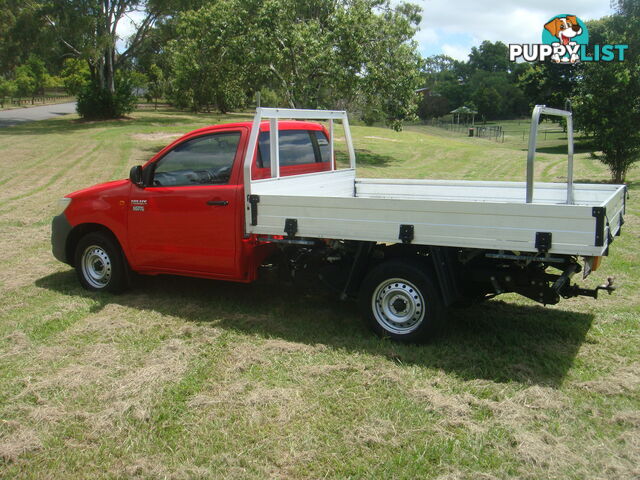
{"x":183,"y":211}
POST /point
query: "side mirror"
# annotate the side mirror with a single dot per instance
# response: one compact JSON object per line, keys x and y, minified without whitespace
{"x":135,"y":175}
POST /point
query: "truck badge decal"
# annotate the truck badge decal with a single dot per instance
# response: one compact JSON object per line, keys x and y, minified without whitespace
{"x":138,"y":205}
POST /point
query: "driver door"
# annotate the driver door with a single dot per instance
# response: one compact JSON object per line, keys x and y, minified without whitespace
{"x":185,"y":220}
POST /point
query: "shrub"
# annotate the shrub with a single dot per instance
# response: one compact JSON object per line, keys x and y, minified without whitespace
{"x":7,"y":88}
{"x":95,"y":102}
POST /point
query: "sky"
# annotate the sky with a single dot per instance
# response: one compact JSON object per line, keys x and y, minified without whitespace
{"x":452,"y":27}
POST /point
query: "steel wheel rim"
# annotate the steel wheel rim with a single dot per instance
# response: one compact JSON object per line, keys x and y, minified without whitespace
{"x":96,"y":266}
{"x":398,"y":306}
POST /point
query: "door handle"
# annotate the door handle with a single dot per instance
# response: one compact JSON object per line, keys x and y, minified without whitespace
{"x":218,"y":203}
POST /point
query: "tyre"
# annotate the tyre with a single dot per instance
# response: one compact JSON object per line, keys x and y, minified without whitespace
{"x":400,"y":300}
{"x":100,"y":263}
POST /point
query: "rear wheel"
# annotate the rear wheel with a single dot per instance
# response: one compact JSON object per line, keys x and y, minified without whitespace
{"x":100,"y":264}
{"x":399,"y":300}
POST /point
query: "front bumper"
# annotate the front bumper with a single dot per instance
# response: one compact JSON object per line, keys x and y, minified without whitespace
{"x":60,"y":229}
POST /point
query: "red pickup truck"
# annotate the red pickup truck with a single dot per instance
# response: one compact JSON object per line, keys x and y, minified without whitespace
{"x":221,"y":201}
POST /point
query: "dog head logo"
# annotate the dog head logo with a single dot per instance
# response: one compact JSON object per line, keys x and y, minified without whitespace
{"x":565,"y":40}
{"x":568,"y":31}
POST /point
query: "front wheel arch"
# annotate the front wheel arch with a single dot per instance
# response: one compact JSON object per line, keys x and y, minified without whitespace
{"x":108,"y":252}
{"x":80,"y":231}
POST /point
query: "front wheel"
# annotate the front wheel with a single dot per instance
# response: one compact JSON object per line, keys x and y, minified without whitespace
{"x":400,"y":300}
{"x":100,"y":264}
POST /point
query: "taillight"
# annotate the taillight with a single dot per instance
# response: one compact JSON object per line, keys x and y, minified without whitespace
{"x":596,"y":263}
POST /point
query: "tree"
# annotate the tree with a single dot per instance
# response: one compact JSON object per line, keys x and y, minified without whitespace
{"x":75,"y":75}
{"x":389,"y":68}
{"x":496,"y":94}
{"x":490,"y":57}
{"x":25,"y":81}
{"x":488,"y":79}
{"x":211,"y":56}
{"x":437,"y":72}
{"x":39,"y":72}
{"x":607,"y":102}
{"x":31,"y":78}
{"x":24,"y":33}
{"x":87,"y":29}
{"x":438,"y":64}
{"x":488,"y":101}
{"x":448,"y":84}
{"x":312,"y":53}
{"x":7,"y":89}
{"x":548,"y":83}
{"x":156,"y":83}
{"x":433,"y":106}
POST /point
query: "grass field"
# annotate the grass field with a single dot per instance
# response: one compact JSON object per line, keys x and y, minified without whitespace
{"x":182,"y":378}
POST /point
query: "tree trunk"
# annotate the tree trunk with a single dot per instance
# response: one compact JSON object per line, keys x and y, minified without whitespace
{"x":109,"y":77}
{"x":287,"y":91}
{"x":618,"y":176}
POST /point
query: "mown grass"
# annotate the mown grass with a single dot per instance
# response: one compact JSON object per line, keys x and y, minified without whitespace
{"x":186,"y":378}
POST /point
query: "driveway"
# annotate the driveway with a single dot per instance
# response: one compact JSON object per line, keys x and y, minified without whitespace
{"x":21,"y":115}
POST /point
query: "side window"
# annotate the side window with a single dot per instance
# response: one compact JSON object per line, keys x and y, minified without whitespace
{"x":205,"y":160}
{"x":297,"y":147}
{"x":323,"y":145}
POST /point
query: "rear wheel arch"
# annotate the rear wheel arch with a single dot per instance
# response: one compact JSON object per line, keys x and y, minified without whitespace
{"x":409,"y":254}
{"x":400,"y":298}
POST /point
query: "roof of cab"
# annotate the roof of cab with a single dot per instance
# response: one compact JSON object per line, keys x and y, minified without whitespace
{"x":264,"y":126}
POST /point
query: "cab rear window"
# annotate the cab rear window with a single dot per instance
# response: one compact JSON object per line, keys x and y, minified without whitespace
{"x":297,"y":147}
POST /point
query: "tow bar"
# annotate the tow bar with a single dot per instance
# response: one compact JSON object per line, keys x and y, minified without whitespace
{"x":563,"y":286}
{"x":575,"y":290}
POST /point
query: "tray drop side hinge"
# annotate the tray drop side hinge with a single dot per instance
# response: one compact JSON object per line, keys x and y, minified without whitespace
{"x":600,"y":214}
{"x":291,"y":227}
{"x":406,"y":233}
{"x":543,"y":241}
{"x":254,"y":200}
